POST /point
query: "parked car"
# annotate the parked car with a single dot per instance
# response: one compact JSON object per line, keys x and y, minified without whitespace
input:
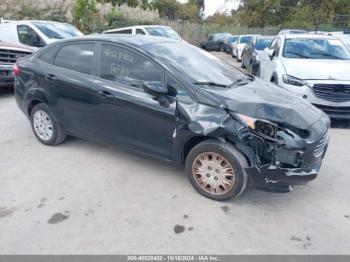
{"x":314,"y":67}
{"x":229,"y":42}
{"x":251,"y":53}
{"x":152,"y":30}
{"x":292,"y":32}
{"x":36,"y":34}
{"x":345,"y":38}
{"x":237,"y":49}
{"x":8,"y":56}
{"x":215,"y":42}
{"x":172,"y":100}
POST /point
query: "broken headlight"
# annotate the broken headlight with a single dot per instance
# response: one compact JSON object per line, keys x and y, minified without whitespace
{"x":291,"y":80}
{"x":263,"y":128}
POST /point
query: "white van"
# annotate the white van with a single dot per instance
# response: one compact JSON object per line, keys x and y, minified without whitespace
{"x":153,"y":30}
{"x":35,"y":34}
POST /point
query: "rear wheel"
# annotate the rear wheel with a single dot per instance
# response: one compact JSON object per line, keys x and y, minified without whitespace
{"x":222,"y":48}
{"x":216,"y":170}
{"x":45,"y":126}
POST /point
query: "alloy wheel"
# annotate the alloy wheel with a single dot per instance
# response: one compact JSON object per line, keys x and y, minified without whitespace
{"x":43,"y":125}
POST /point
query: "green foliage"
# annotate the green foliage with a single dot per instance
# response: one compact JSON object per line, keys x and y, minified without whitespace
{"x":309,"y":14}
{"x":173,"y":10}
{"x":86,"y":16}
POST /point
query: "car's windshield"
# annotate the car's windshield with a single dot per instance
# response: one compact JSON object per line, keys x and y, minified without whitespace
{"x":57,"y":30}
{"x":245,"y":39}
{"x":223,"y":36}
{"x":232,"y":39}
{"x":262,"y":43}
{"x":163,"y":32}
{"x":309,"y":48}
{"x":199,"y":65}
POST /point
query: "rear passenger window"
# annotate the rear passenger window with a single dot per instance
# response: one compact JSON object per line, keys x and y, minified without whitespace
{"x":126,"y":31}
{"x":76,"y":57}
{"x":122,"y":65}
{"x":140,"y":32}
{"x":48,"y":55}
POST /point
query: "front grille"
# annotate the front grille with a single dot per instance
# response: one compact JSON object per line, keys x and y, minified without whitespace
{"x":10,"y":56}
{"x":320,"y":148}
{"x":333,"y":92}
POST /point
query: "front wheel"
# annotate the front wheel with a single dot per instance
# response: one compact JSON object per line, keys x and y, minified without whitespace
{"x":45,"y":126}
{"x":216,"y":170}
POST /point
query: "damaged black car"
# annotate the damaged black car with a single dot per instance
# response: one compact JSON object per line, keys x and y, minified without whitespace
{"x":174,"y":101}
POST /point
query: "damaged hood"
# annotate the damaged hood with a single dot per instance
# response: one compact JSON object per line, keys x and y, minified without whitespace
{"x":318,"y":69}
{"x":263,"y":100}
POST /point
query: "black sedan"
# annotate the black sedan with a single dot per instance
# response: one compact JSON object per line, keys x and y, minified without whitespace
{"x":251,"y":54}
{"x":174,"y":101}
{"x":215,"y":42}
{"x":229,"y":42}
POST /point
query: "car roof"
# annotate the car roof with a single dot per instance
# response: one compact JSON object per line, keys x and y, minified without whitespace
{"x":135,"y":26}
{"x":32,"y":21}
{"x":248,"y":35}
{"x":133,"y":40}
{"x":309,"y":36}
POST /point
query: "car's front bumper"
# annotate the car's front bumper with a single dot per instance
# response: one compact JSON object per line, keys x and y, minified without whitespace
{"x":6,"y":76}
{"x":335,"y":109}
{"x":272,"y":178}
{"x":294,"y":166}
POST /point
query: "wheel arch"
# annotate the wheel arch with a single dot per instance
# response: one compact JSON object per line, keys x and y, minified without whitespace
{"x":274,"y":78}
{"x":33,"y":98}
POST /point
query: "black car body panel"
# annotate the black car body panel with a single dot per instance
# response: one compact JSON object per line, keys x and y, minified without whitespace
{"x":167,"y":127}
{"x":215,"y":42}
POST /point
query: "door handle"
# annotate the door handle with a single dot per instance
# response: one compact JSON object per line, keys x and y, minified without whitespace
{"x":50,"y":77}
{"x":105,"y":94}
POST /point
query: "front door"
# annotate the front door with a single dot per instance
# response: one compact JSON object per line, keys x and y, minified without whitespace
{"x":130,"y":116}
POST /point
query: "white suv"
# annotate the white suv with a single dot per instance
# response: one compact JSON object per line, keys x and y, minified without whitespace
{"x":314,"y":67}
{"x":35,"y":34}
{"x":153,"y":30}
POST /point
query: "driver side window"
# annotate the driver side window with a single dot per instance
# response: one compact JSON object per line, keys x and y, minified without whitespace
{"x":122,"y":65}
{"x":28,"y":36}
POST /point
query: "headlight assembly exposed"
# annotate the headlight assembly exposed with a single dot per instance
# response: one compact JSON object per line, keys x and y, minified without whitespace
{"x":262,"y":127}
{"x":290,"y":80}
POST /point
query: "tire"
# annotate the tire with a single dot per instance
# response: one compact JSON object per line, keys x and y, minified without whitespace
{"x":54,"y":134}
{"x":258,"y":73}
{"x":229,"y":153}
{"x":222,"y":48}
{"x":242,"y":62}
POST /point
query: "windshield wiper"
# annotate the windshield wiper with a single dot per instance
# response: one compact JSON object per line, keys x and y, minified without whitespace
{"x":241,"y":81}
{"x":208,"y":83}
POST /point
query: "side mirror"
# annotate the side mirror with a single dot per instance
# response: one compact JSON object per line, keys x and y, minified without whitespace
{"x":271,"y":53}
{"x":155,"y":88}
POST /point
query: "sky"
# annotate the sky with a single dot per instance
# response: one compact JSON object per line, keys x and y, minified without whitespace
{"x":213,"y":6}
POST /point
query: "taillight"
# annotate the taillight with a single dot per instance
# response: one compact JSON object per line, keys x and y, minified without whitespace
{"x":16,"y":70}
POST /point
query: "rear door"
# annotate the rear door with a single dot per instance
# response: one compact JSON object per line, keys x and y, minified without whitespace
{"x":72,"y":89}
